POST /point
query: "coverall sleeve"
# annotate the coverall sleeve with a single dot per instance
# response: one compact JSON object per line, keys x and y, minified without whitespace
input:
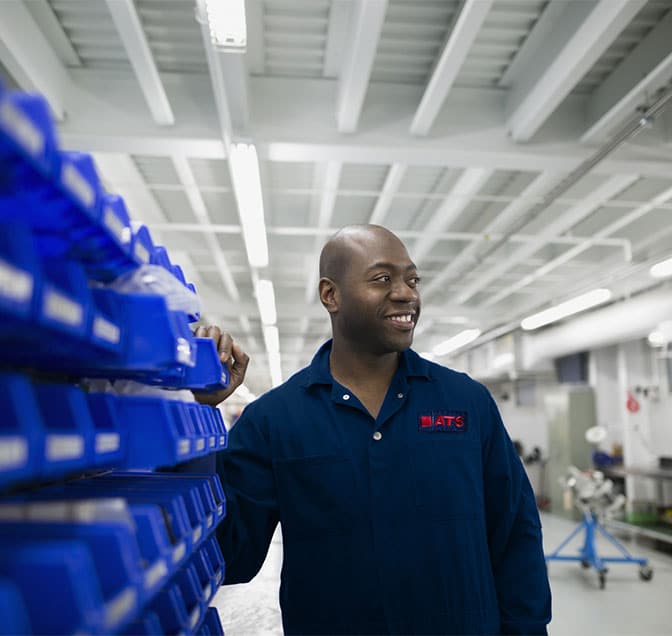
{"x":245,"y":469}
{"x":514,"y":534}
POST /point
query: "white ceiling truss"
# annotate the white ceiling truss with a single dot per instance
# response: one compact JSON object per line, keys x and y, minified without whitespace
{"x":473,"y":129}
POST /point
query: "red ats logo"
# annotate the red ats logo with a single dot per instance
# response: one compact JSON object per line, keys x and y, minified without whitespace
{"x":443,"y":422}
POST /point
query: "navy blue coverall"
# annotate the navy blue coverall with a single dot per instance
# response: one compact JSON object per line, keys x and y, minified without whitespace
{"x":420,"y":521}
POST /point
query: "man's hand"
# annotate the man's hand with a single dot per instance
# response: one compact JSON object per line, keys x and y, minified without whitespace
{"x":231,"y":355}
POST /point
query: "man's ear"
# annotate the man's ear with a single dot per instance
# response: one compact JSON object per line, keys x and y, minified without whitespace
{"x":329,"y":295}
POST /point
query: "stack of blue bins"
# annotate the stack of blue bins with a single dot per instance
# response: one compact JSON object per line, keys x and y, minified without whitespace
{"x":93,"y":539}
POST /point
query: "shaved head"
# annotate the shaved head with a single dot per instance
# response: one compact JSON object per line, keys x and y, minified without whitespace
{"x":339,"y":249}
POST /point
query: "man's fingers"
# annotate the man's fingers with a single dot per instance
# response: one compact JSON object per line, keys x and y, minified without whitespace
{"x":223,"y":340}
{"x":224,"y":346}
{"x":239,"y":368}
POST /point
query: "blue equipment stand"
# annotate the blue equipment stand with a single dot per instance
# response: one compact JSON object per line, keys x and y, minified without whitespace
{"x":588,"y":556}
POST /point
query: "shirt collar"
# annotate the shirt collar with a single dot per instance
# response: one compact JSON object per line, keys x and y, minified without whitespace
{"x":411,"y":365}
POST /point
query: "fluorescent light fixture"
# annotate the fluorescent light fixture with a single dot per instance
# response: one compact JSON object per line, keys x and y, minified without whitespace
{"x":656,"y":339}
{"x":266,"y":302}
{"x":503,"y":360}
{"x":568,"y":308}
{"x":271,"y":338}
{"x":275,"y":367}
{"x":662,"y":269}
{"x":226,"y":21}
{"x":244,"y":166}
{"x":661,"y":335}
{"x":456,"y":342}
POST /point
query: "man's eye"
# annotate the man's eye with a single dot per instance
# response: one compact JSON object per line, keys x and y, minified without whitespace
{"x":384,"y":278}
{"x":414,"y":281}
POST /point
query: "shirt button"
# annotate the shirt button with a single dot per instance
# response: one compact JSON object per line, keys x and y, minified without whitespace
{"x":377,"y":436}
{"x":346,"y":396}
{"x":400,"y":395}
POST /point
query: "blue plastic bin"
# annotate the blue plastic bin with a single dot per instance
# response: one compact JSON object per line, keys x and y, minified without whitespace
{"x":171,"y":506}
{"x":68,"y":429}
{"x":109,"y":436}
{"x":171,"y":610}
{"x":27,"y":131}
{"x":142,"y":246}
{"x":148,"y":625}
{"x":212,"y":626}
{"x":113,"y":549}
{"x":207,"y":374}
{"x":154,"y":436}
{"x":156,"y":343}
{"x":13,"y":610}
{"x":187,"y":488}
{"x":20,"y":273}
{"x":59,"y":585}
{"x":21,"y":431}
{"x":66,"y":300}
{"x":182,"y":481}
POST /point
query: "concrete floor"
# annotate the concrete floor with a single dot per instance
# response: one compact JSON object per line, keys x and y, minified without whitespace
{"x":626,"y":607}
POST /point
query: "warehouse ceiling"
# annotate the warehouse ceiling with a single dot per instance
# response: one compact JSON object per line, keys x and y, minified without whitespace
{"x":462,"y":126}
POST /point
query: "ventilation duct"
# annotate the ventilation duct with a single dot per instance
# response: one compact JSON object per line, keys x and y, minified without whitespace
{"x":620,"y":322}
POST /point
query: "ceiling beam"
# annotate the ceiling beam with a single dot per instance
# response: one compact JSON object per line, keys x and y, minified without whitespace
{"x":596,"y":199}
{"x":467,"y":185}
{"x":287,"y":129}
{"x":634,"y":82}
{"x":132,"y":34}
{"x":578,"y":38}
{"x":575,"y":251}
{"x":393,"y":180}
{"x":53,"y":30}
{"x":324,"y":233}
{"x":188,"y":181}
{"x":30,"y":58}
{"x":527,"y":199}
{"x":367,"y":23}
{"x":455,"y":51}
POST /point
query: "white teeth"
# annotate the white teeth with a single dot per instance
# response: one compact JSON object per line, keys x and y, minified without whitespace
{"x":404,"y":318}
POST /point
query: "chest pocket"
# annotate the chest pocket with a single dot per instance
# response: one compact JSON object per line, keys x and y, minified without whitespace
{"x":317,"y":495}
{"x":447,"y":478}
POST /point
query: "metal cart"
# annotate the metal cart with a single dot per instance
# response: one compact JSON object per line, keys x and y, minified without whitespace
{"x":593,"y":497}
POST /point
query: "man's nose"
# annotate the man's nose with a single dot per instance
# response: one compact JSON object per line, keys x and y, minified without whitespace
{"x":403,"y":292}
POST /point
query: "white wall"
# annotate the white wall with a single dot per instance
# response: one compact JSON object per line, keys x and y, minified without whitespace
{"x":609,"y":402}
{"x":525,"y":423}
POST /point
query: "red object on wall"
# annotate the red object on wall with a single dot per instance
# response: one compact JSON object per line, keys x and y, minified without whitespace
{"x":632,"y":404}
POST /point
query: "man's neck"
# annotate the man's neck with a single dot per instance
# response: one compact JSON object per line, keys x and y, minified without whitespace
{"x":362,"y":369}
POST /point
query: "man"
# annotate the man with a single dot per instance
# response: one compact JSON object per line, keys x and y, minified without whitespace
{"x":403,"y":505}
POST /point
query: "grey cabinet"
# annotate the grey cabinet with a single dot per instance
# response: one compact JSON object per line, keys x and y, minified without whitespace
{"x":570,"y":411}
